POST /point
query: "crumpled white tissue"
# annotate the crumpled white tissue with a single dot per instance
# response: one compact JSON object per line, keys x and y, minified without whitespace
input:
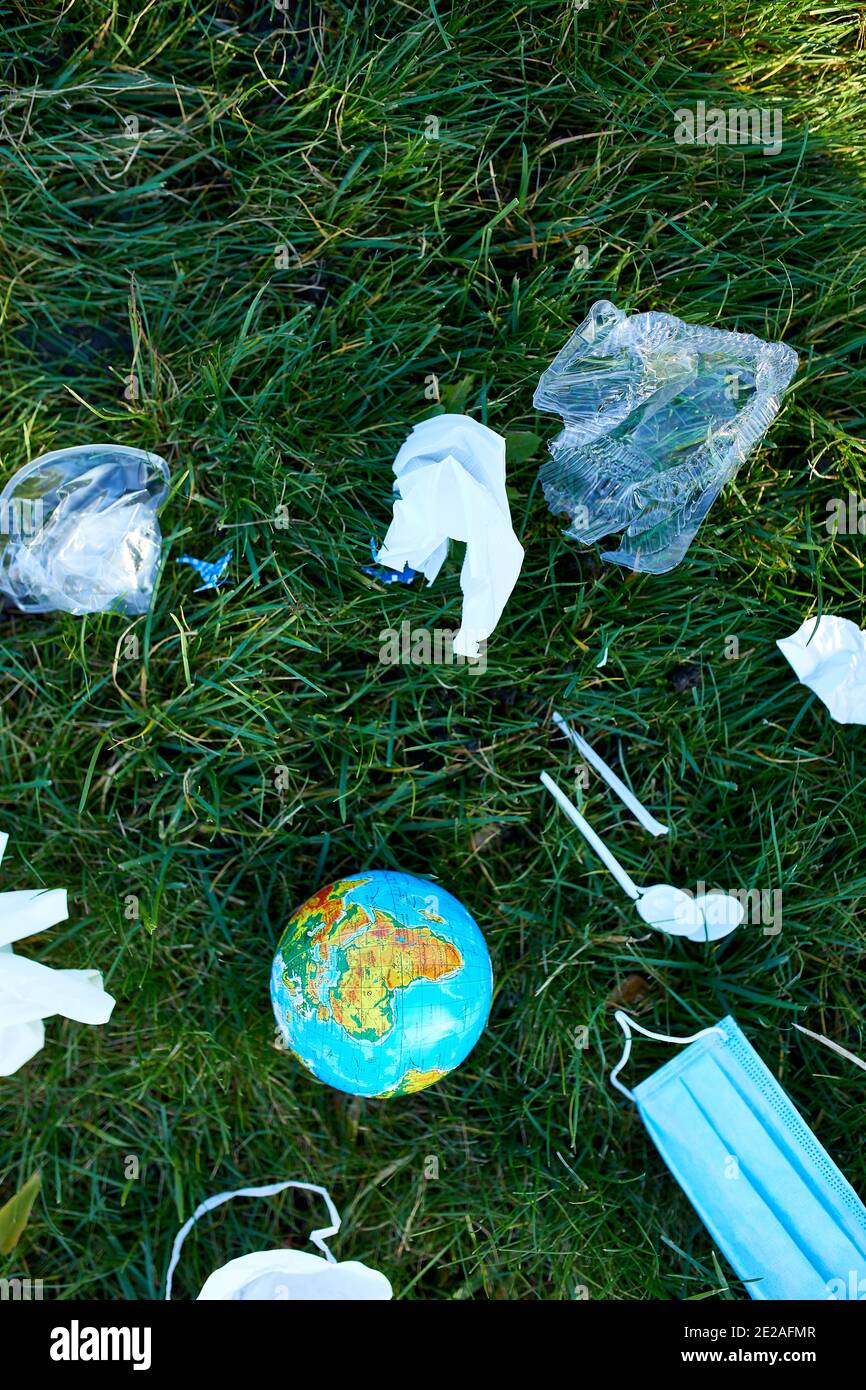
{"x":30,"y":992}
{"x":450,"y":484}
{"x":829,"y":656}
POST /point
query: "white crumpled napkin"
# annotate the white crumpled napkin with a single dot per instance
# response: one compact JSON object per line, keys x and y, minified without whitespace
{"x":450,"y":484}
{"x":829,"y":656}
{"x":30,"y":992}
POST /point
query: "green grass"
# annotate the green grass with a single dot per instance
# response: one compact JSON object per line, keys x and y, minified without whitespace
{"x":155,"y":257}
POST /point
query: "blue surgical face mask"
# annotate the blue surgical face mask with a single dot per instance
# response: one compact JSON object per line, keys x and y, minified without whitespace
{"x":769,"y":1194}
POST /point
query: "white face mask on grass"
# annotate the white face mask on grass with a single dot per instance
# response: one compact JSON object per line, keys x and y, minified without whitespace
{"x":285,"y":1275}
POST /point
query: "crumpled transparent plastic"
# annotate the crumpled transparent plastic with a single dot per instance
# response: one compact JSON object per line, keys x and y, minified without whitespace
{"x":80,"y":530}
{"x":658,"y":415}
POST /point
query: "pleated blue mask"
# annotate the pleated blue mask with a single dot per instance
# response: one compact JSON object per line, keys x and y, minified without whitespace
{"x":770,"y":1195}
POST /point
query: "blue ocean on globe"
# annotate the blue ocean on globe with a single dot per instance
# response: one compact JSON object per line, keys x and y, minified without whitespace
{"x":381,"y":983}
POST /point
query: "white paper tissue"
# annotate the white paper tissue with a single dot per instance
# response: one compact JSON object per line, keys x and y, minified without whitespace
{"x":829,"y":656}
{"x":30,"y":992}
{"x":450,"y":484}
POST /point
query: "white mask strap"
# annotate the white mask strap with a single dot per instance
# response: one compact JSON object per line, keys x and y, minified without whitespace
{"x":627,"y":1024}
{"x":269,"y":1190}
{"x":624,"y":879}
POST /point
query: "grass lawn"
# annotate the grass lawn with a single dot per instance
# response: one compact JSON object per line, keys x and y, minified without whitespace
{"x":249,"y":238}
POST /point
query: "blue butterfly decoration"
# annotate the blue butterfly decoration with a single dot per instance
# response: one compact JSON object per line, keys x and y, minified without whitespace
{"x":212,"y":574}
{"x":385,"y":575}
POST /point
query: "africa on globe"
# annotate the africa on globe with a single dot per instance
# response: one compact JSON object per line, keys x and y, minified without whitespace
{"x":381,"y":983}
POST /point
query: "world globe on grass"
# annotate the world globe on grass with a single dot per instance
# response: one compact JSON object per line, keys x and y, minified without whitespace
{"x":381,"y":983}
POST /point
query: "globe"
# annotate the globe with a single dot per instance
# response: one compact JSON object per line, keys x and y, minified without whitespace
{"x":381,"y":984}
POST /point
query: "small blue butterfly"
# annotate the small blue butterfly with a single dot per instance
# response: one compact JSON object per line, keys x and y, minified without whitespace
{"x":211,"y":574}
{"x":383,"y":574}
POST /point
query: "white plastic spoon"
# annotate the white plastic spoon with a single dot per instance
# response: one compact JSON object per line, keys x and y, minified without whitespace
{"x":660,"y":905}
{"x":722,"y":915}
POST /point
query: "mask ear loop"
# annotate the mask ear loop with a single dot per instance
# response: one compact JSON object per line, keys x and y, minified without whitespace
{"x":318,"y":1238}
{"x":627,"y":1023}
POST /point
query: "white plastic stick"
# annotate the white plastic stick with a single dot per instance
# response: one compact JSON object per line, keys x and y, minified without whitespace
{"x":647,"y":820}
{"x":842,"y":1051}
{"x":625,"y":882}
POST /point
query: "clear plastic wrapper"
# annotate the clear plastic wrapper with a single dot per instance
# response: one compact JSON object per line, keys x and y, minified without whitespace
{"x":658,"y":415}
{"x":79,"y":530}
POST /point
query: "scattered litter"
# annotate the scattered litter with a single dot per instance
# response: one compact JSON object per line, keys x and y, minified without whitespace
{"x":638,"y":810}
{"x":842,"y":1051}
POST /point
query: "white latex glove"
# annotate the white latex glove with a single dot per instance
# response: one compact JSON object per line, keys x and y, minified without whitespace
{"x":30,"y":992}
{"x":450,"y":484}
